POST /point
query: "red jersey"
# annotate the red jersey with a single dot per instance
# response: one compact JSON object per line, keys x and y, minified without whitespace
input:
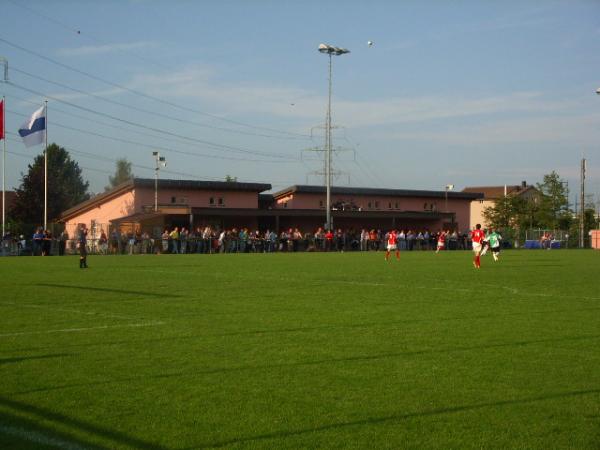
{"x":477,"y":236}
{"x":392,"y":237}
{"x":442,"y":237}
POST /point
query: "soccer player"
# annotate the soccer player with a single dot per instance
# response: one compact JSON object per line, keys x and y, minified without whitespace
{"x":477,"y":237}
{"x":485,"y":244}
{"x":82,"y":245}
{"x":441,"y":241}
{"x":494,"y":239}
{"x":392,"y":244}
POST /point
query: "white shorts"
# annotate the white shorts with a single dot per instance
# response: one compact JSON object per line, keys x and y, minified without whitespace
{"x":391,"y":247}
{"x":441,"y":244}
{"x":476,"y":247}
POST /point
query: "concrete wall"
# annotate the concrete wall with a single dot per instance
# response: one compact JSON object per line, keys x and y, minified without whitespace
{"x":461,"y":207}
{"x":477,"y":207}
{"x":102,"y":214}
{"x":195,"y":198}
{"x":595,"y":239}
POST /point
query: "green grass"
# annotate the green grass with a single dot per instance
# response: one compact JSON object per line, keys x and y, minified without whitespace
{"x":301,"y":351}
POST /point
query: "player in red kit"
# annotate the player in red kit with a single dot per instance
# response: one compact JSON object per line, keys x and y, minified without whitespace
{"x":392,"y":244}
{"x":477,"y":236}
{"x":441,"y":241}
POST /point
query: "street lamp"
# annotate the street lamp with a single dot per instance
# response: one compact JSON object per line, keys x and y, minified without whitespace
{"x":329,"y":50}
{"x":160,"y":162}
{"x":449,"y":187}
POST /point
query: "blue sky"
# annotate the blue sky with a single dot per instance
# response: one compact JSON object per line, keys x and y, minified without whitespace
{"x":466,"y":92}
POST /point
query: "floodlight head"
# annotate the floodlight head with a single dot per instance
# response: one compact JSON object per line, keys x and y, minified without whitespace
{"x":598,"y":91}
{"x":449,"y":187}
{"x":154,"y":153}
{"x":324,"y":48}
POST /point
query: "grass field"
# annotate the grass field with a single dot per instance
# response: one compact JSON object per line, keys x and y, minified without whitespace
{"x":301,"y":351}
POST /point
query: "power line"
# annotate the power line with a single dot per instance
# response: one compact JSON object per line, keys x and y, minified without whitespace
{"x":156,"y":147}
{"x":86,"y":35}
{"x":98,"y":122}
{"x":96,"y":157}
{"x":146,"y":111}
{"x":141,"y":94}
{"x":158,"y":130}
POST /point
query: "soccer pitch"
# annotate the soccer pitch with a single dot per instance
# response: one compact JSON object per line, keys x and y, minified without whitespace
{"x":308,"y":350}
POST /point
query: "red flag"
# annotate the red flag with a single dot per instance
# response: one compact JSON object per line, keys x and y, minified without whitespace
{"x":1,"y":119}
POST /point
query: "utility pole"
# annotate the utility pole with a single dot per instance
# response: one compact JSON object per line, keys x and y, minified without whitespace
{"x":582,"y":203}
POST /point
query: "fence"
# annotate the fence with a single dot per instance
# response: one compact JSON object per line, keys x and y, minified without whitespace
{"x":121,"y":244}
{"x":125,"y":244}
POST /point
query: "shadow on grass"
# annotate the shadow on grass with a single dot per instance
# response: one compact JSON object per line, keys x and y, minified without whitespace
{"x":27,"y":358}
{"x":393,"y":418}
{"x":19,"y":433}
{"x":316,"y":362}
{"x":115,"y":291}
{"x":13,"y":424}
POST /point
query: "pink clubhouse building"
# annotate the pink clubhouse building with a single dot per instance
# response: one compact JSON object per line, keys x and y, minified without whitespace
{"x":186,"y":203}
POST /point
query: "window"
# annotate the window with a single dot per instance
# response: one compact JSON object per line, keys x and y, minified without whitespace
{"x":369,"y":204}
{"x":425,"y":206}
{"x":173,"y":199}
{"x":221,"y":203}
{"x":285,"y":205}
{"x":321,"y":203}
{"x":376,"y":205}
{"x":390,"y":205}
{"x":211,"y":201}
{"x":396,"y":205}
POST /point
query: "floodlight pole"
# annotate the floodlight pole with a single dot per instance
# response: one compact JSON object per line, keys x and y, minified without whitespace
{"x":330,"y":51}
{"x":328,"y":150}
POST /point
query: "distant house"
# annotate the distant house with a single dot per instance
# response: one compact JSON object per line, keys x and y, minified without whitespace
{"x":493,"y":193}
{"x":191,"y":204}
{"x":357,"y":207}
{"x":130,"y":206}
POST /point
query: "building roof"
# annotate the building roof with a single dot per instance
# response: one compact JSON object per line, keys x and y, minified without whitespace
{"x":162,"y":184}
{"x":202,"y":185}
{"x":342,"y":190}
{"x":494,"y":192}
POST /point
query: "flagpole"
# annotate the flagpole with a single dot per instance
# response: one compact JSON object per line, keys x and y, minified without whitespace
{"x":4,"y":166}
{"x":46,"y":170}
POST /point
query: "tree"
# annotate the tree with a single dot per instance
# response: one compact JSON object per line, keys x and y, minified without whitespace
{"x":506,"y":212}
{"x":66,"y":187}
{"x":553,"y":205}
{"x":122,"y":174}
{"x":230,"y":179}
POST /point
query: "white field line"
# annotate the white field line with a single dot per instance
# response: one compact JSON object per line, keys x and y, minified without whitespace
{"x":353,"y":283}
{"x":38,"y":438}
{"x":75,"y":330}
{"x":76,"y":311}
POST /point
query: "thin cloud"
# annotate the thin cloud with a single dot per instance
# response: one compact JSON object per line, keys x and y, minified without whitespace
{"x":204,"y":85}
{"x":89,"y":50}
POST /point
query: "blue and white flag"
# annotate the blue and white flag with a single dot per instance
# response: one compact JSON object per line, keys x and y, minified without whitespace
{"x":33,"y":131}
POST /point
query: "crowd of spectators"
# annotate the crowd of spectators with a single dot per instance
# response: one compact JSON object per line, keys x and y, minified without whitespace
{"x":235,"y":240}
